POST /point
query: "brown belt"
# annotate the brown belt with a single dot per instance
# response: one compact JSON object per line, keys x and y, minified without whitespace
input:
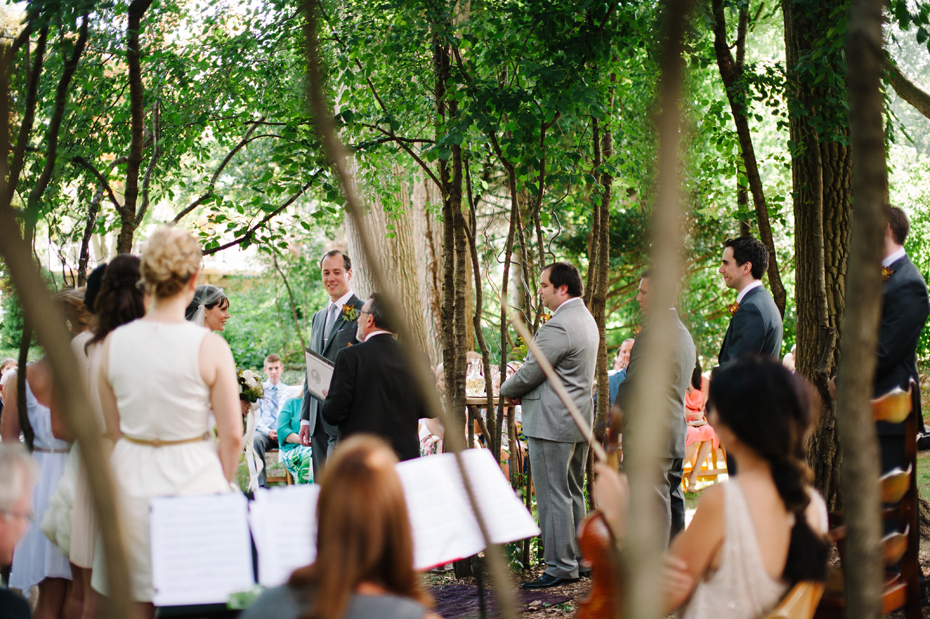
{"x":160,"y":443}
{"x":42,"y":450}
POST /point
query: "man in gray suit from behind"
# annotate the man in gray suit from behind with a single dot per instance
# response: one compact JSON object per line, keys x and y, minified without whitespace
{"x":755,"y":327}
{"x":557,"y":448}
{"x":671,"y":408}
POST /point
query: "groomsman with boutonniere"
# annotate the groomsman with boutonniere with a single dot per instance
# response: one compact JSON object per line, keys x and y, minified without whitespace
{"x":755,"y":323}
{"x":904,"y":313}
{"x":332,"y":329}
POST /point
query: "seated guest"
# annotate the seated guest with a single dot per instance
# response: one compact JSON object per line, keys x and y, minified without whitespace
{"x":294,"y":454}
{"x":621,"y":363}
{"x":364,"y":561}
{"x":266,"y":426}
{"x":755,"y":535}
{"x":701,"y":437}
{"x":18,"y":472}
{"x":373,"y":389}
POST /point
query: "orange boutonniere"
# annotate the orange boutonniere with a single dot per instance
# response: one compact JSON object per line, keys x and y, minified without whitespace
{"x":544,"y":318}
{"x":886,"y":274}
{"x":732,"y":308}
{"x":637,"y":330}
{"x":349,"y":312}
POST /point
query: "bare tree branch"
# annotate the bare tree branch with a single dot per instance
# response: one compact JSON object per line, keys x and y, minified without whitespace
{"x":219,"y":170}
{"x":251,"y":231}
{"x":22,"y":141}
{"x":907,"y":89}
{"x":101,"y":179}
{"x":146,"y":182}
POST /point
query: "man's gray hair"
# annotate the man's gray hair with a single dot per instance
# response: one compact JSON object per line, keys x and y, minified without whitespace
{"x":18,"y":471}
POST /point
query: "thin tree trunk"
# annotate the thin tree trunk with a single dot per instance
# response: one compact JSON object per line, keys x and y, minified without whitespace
{"x":137,"y":125}
{"x":859,"y":477}
{"x":24,"y":423}
{"x":730,"y":73}
{"x":593,"y":244}
{"x":290,"y":297}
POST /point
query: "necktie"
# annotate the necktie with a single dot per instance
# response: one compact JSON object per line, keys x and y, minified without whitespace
{"x":330,"y":320}
{"x":274,"y":400}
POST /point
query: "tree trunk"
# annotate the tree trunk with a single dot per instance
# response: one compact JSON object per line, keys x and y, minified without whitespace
{"x":730,"y":73}
{"x":821,"y":173}
{"x":864,"y":573}
{"x":137,"y":113}
{"x":427,"y":230}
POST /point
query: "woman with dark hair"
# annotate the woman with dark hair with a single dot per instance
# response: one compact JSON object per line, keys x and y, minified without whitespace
{"x":209,"y":308}
{"x":119,"y":301}
{"x":760,"y":532}
{"x":364,"y":560}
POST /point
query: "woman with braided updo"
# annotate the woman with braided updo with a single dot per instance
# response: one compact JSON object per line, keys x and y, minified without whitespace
{"x":760,"y":532}
{"x":159,"y":378}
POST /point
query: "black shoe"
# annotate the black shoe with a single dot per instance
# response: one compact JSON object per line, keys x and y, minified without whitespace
{"x":584,"y":573}
{"x":547,"y":580}
{"x":923,"y":442}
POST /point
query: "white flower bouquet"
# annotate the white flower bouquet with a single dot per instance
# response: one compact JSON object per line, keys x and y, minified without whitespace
{"x":250,"y":386}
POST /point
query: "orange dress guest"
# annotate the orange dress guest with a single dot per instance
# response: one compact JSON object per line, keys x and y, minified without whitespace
{"x":700,"y":438}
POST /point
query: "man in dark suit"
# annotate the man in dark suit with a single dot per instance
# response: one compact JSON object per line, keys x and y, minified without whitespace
{"x":755,"y":327}
{"x":905,"y":307}
{"x":373,"y":390}
{"x":672,"y":408}
{"x":332,"y":329}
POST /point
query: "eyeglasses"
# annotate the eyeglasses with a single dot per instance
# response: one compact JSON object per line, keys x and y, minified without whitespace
{"x":364,"y":312}
{"x":27,"y":516}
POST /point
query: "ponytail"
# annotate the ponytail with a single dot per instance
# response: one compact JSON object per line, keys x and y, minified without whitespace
{"x":807,"y":550}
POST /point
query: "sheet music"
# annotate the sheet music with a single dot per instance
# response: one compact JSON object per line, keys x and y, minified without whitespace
{"x":201,"y":551}
{"x":319,"y":374}
{"x":444,"y":526}
{"x":283,"y":523}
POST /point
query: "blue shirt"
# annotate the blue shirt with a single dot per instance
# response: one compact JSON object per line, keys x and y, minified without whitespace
{"x":269,"y":407}
{"x":613,"y":384}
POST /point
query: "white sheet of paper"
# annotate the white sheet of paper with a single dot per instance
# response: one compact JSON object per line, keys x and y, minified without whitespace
{"x":201,"y":551}
{"x":319,"y":375}
{"x":444,"y":526}
{"x":283,"y":523}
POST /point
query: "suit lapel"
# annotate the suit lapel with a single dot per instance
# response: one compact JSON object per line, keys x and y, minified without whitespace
{"x":337,"y":324}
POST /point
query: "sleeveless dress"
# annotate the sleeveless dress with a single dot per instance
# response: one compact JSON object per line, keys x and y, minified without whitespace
{"x":83,"y":517}
{"x":35,"y":557}
{"x":154,"y":371}
{"x":740,"y":588}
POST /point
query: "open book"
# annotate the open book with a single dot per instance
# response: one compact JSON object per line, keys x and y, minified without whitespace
{"x":201,"y":551}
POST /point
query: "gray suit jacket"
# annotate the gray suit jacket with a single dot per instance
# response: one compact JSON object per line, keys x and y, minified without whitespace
{"x":569,"y":341}
{"x":341,"y":335}
{"x":672,"y":405}
{"x":755,"y":328}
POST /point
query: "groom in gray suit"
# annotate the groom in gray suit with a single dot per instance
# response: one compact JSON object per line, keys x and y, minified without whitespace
{"x":332,"y":329}
{"x":557,"y":448}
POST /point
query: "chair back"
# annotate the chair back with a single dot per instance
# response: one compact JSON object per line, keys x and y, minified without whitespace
{"x":799,"y":603}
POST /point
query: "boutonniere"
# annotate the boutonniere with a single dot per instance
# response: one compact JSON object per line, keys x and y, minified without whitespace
{"x":544,"y":318}
{"x":349,"y":312}
{"x":886,"y":274}
{"x":732,"y":308}
{"x":637,"y":330}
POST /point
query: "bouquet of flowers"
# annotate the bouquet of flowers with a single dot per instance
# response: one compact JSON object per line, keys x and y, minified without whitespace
{"x":250,"y":386}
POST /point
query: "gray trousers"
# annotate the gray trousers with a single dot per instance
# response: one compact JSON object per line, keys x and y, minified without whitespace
{"x":558,"y":477}
{"x":261,"y":443}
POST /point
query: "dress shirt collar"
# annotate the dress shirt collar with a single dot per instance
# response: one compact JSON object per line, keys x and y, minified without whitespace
{"x":564,"y":303}
{"x":377,"y":332}
{"x":343,"y":300}
{"x":890,"y":260}
{"x":742,"y":293}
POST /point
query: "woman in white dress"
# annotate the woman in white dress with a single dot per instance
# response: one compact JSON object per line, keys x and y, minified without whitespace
{"x":36,"y":560}
{"x":118,"y":300}
{"x":159,"y":377}
{"x":754,"y":536}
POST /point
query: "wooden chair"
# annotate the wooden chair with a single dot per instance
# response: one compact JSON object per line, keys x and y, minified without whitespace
{"x":799,"y":603}
{"x":714,"y":465}
{"x":898,"y":487}
{"x":278,"y":479}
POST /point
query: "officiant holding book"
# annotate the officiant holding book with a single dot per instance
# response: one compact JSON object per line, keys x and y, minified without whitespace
{"x":332,"y":329}
{"x":373,"y":390}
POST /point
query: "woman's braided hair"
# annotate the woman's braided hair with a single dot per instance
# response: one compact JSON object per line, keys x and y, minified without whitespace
{"x":770,"y":410}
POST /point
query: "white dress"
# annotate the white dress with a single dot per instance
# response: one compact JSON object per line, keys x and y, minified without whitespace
{"x":740,"y":588}
{"x":35,"y":557}
{"x":154,"y":370}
